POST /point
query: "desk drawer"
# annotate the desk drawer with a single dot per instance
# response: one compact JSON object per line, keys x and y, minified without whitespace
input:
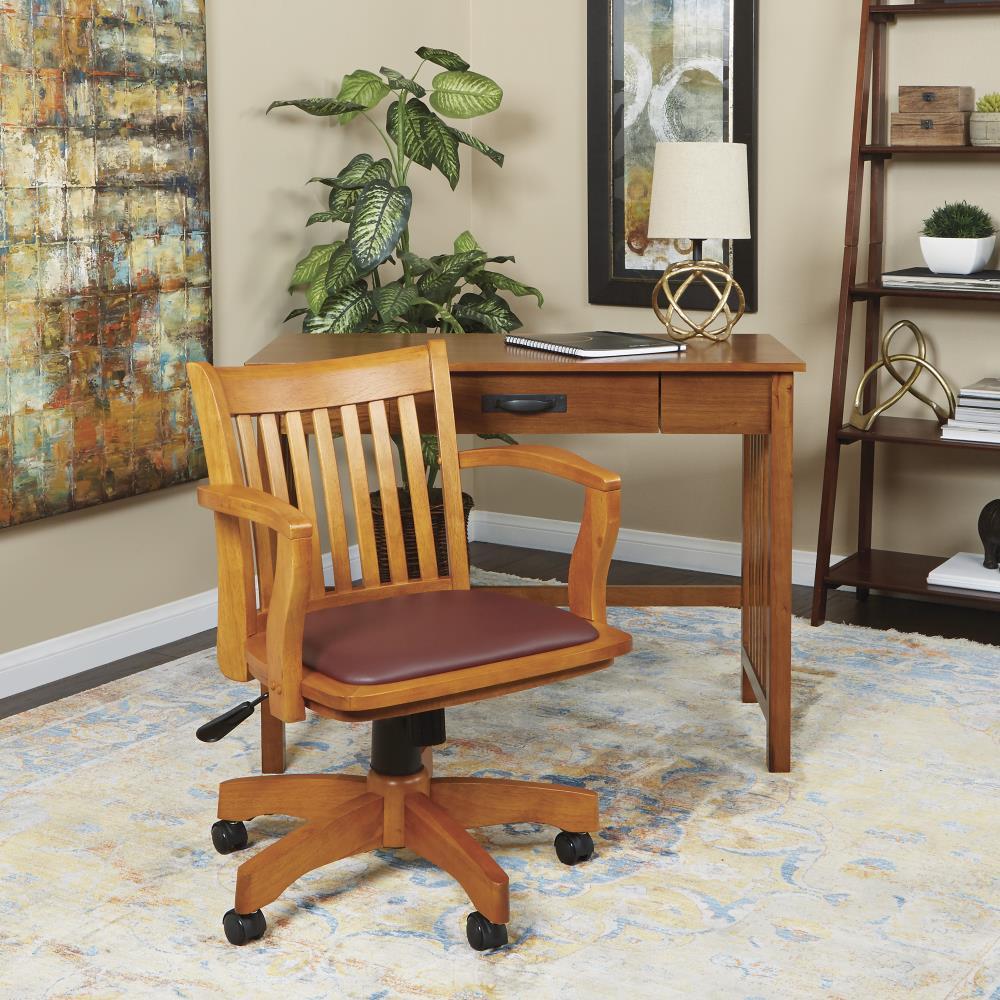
{"x":554,"y":403}
{"x":716,"y":404}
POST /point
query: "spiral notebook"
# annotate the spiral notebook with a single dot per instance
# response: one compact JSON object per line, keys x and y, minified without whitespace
{"x":599,"y":344}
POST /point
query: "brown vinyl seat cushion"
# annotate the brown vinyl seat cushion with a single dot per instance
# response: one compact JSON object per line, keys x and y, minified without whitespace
{"x":402,"y":638}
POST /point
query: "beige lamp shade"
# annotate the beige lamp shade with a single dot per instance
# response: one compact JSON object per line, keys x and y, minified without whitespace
{"x":700,"y":191}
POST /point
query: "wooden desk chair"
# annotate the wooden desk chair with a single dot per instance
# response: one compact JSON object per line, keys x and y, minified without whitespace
{"x":394,"y":653}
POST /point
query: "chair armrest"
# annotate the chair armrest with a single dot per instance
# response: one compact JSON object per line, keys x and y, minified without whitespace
{"x":258,"y":507}
{"x":591,"y":559}
{"x":290,"y":591}
{"x":543,"y":458}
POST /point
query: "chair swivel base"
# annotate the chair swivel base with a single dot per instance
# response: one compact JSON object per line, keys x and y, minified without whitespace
{"x":349,"y":815}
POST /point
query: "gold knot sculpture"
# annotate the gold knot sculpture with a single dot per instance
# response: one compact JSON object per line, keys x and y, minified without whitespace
{"x":865,"y":421}
{"x":719,"y":324}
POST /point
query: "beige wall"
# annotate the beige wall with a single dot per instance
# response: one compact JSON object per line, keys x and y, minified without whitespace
{"x":80,"y":569}
{"x":537,"y":207}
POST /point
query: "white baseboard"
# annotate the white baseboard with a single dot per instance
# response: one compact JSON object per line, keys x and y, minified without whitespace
{"x":67,"y":655}
{"x":76,"y":652}
{"x":650,"y":548}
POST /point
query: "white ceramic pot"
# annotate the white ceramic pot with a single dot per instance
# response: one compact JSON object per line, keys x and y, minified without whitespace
{"x":957,"y":256}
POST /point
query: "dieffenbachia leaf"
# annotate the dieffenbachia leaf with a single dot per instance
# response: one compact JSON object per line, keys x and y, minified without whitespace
{"x":346,"y":312}
{"x":321,"y":107}
{"x":315,"y":262}
{"x":413,"y":141}
{"x":341,"y":271}
{"x":393,"y":300}
{"x":350,"y":176}
{"x":442,"y":57}
{"x":342,"y":203}
{"x":490,"y":281}
{"x":362,"y":169}
{"x":320,"y":217}
{"x":466,"y":243}
{"x":380,"y":216}
{"x":316,"y":294}
{"x":294,"y":314}
{"x":477,"y":144}
{"x":399,"y":82}
{"x":465,"y":94}
{"x":427,"y":140}
{"x":416,"y":265}
{"x":438,"y":285}
{"x":364,"y":88}
{"x":490,"y":313}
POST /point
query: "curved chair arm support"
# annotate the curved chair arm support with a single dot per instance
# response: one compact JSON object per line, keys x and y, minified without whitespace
{"x":543,"y":458}
{"x":258,"y":507}
{"x":290,"y":594}
{"x":595,"y":544}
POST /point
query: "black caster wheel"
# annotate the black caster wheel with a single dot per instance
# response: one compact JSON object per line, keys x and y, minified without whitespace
{"x":243,"y":927}
{"x":229,"y":837}
{"x":483,"y":934}
{"x":574,"y":848}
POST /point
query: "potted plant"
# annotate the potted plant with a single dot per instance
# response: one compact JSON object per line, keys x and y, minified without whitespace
{"x":984,"y":125}
{"x":367,"y":278}
{"x":958,"y":238}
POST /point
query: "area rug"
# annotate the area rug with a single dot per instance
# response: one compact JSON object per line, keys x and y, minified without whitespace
{"x":871,"y":871}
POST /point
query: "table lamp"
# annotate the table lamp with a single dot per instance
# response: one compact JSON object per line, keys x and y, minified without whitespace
{"x":700,"y":192}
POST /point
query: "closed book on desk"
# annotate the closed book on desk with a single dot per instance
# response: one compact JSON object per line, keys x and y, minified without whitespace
{"x":598,"y":344}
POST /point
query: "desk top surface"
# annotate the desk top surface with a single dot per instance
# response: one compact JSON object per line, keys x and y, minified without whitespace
{"x":484,"y":353}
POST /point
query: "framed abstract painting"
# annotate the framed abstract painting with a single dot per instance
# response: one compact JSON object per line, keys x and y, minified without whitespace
{"x":663,"y":71}
{"x":105,"y":278}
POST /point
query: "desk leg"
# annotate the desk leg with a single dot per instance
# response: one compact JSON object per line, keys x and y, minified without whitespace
{"x":767,"y":574}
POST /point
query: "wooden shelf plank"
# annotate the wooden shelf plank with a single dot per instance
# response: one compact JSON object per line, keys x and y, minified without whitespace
{"x":860,"y":292}
{"x":904,"y":573}
{"x":910,"y":430}
{"x":889,"y":152}
{"x":932,"y":9}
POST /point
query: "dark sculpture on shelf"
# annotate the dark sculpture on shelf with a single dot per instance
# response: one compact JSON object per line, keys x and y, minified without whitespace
{"x":989,"y":532}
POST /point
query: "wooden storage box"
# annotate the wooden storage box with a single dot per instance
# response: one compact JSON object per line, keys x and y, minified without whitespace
{"x":936,"y":100}
{"x":931,"y":130}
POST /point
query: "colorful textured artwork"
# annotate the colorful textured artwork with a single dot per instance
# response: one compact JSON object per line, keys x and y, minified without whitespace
{"x":105,"y":284}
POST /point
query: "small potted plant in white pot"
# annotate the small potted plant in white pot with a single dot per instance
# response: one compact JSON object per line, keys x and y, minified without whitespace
{"x":984,"y":125}
{"x":958,"y":238}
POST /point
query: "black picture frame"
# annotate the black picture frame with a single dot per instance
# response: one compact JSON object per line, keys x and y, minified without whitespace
{"x":609,"y":283}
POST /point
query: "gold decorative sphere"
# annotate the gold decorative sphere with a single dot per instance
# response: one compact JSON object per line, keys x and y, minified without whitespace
{"x":718,"y":326}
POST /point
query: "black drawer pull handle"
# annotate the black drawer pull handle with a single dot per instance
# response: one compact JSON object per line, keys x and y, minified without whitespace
{"x":525,"y":404}
{"x":929,"y":97}
{"x":927,"y":124}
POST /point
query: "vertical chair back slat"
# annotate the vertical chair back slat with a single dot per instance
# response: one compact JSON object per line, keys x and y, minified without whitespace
{"x":410,"y":431}
{"x":392,"y":523}
{"x":263,"y":538}
{"x":274,"y":456}
{"x":298,"y":450}
{"x":358,"y":471}
{"x":335,"y":520}
{"x":451,"y":480}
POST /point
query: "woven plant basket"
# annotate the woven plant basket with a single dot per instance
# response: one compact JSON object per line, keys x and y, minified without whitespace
{"x":409,"y":533}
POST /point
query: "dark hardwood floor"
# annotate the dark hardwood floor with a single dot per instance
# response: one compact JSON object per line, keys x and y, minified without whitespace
{"x":878,"y":612}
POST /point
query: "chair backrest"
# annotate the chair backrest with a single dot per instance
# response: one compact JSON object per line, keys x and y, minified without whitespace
{"x":261,"y":426}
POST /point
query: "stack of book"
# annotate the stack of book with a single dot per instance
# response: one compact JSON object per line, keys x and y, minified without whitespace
{"x":977,"y":416}
{"x":923,"y":279}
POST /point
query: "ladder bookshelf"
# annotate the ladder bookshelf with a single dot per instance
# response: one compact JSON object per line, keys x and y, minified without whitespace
{"x":876,"y":569}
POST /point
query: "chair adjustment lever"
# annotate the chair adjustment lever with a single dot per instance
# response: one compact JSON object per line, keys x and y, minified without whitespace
{"x":213,"y":731}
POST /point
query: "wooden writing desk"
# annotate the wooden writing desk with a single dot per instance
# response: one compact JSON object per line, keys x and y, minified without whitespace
{"x":742,"y":387}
